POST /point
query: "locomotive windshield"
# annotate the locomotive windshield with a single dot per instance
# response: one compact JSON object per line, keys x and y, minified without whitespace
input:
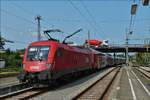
{"x":38,"y":53}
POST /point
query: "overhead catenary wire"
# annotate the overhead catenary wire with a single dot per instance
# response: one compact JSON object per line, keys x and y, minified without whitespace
{"x":21,"y":42}
{"x":78,"y":10}
{"x":28,"y":12}
{"x":31,"y":13}
{"x":90,"y":15}
{"x":23,"y":9}
{"x":10,"y":28}
{"x":73,"y":20}
{"x":124,"y":21}
{"x":46,"y":24}
{"x":24,"y":19}
{"x":17,"y":16}
{"x":13,"y":29}
{"x":100,"y":21}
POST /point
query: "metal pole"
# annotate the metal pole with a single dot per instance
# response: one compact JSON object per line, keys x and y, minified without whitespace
{"x":147,"y":45}
{"x":88,"y":38}
{"x":127,"y":58}
{"x":114,"y":57}
{"x":128,"y":32}
{"x":38,"y":18}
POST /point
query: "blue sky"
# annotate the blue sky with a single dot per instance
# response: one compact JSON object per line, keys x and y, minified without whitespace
{"x":106,"y":19}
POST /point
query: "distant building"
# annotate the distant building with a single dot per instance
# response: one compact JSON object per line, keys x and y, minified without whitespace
{"x":2,"y":63}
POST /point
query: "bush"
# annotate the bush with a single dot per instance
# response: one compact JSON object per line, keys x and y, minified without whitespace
{"x":13,"y":60}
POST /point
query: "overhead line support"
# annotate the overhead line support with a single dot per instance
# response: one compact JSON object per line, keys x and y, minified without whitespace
{"x":38,"y":18}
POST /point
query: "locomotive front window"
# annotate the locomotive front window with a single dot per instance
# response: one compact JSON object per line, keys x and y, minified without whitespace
{"x":38,"y":53}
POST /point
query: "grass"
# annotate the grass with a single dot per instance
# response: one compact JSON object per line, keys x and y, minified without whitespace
{"x":6,"y":73}
{"x":10,"y":71}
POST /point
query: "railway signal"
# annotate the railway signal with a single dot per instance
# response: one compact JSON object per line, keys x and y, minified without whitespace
{"x":145,"y":2}
{"x":133,"y":9}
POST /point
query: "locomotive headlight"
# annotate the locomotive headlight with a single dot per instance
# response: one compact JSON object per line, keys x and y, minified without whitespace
{"x":48,"y":66}
{"x":35,"y":67}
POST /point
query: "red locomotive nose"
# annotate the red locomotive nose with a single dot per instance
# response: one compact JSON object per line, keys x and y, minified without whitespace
{"x":36,"y":66}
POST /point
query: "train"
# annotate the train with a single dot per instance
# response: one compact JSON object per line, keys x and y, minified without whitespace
{"x":48,"y":60}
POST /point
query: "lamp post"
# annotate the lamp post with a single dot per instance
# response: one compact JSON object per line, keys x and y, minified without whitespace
{"x":128,"y":32}
{"x":127,"y":48}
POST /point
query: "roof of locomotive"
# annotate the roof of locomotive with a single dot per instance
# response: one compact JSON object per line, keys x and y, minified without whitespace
{"x":61,"y":45}
{"x":43,"y":43}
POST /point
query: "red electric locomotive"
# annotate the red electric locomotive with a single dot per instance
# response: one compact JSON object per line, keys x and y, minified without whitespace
{"x":50,"y":59}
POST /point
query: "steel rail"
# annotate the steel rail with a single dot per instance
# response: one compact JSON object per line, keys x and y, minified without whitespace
{"x":148,"y":77}
{"x":145,"y":70}
{"x":35,"y":93}
{"x":94,"y":84}
{"x":11,"y":94}
{"x":25,"y":93}
{"x":6,"y":91}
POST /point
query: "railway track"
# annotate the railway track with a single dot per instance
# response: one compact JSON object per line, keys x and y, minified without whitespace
{"x":13,"y":89}
{"x":144,"y":72}
{"x":24,"y":94}
{"x":147,"y":70}
{"x":100,"y":88}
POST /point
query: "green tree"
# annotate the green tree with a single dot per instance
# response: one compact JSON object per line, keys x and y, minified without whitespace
{"x":143,"y":58}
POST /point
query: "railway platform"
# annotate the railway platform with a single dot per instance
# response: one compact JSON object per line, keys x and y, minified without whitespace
{"x":131,"y":85}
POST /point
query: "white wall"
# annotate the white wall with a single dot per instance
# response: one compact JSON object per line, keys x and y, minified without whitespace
{"x":2,"y":63}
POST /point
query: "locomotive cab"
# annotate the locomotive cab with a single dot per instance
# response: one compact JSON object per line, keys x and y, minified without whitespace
{"x":36,"y":59}
{"x":37,"y":62}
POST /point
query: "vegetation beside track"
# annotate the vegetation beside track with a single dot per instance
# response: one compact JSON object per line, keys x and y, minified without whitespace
{"x":10,"y":69}
{"x":142,"y":59}
{"x":13,"y":59}
{"x":8,"y":74}
{"x":13,"y":62}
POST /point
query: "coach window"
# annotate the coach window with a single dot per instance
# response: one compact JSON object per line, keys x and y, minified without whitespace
{"x":59,"y":52}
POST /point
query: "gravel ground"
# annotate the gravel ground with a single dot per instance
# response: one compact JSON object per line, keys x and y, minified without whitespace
{"x":8,"y":81}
